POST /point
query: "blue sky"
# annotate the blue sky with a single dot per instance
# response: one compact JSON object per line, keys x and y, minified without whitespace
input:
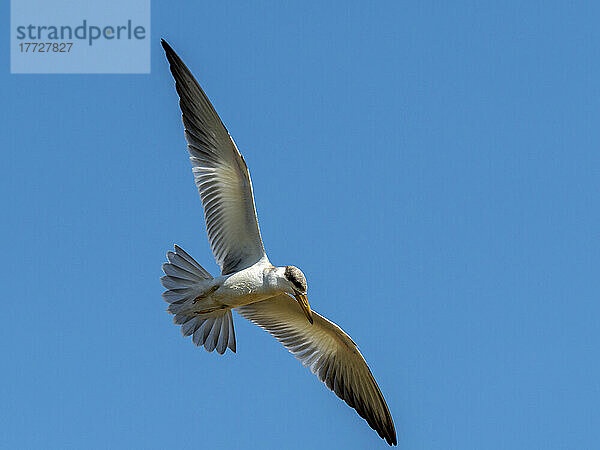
{"x":433,"y":170}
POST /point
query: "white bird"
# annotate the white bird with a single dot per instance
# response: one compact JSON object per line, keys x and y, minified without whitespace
{"x":249,"y":283}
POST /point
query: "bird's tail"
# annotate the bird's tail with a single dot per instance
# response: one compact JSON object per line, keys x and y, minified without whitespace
{"x":185,"y":281}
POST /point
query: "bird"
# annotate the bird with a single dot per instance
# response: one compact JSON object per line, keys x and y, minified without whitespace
{"x":274,"y":298}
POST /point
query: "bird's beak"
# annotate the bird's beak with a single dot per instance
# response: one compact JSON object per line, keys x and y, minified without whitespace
{"x":302,"y":300}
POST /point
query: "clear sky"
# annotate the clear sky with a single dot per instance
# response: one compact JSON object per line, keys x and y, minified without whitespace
{"x":433,"y":170}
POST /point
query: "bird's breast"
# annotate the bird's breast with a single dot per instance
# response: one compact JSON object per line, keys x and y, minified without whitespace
{"x":243,"y":288}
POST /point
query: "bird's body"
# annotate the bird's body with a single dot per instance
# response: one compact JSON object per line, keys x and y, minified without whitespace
{"x":252,"y":284}
{"x":274,"y":298}
{"x":249,"y":285}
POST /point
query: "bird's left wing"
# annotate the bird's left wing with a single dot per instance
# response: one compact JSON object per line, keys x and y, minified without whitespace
{"x":329,"y":353}
{"x":220,"y":173}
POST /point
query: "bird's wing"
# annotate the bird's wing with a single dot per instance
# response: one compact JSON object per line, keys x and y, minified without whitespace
{"x":220,"y":173}
{"x":329,"y":353}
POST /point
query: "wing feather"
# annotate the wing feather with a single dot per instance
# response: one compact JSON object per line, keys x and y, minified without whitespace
{"x":220,"y":173}
{"x":329,"y":353}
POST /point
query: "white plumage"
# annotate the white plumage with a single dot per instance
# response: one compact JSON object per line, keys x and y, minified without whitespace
{"x":274,"y":298}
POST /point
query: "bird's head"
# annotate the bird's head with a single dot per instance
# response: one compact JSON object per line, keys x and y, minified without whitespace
{"x":295,"y":284}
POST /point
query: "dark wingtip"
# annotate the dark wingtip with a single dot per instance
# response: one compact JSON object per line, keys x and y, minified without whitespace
{"x":168,"y":49}
{"x":391,"y":438}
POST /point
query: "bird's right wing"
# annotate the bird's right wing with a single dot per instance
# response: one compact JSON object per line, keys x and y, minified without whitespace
{"x":329,"y":353}
{"x":220,"y":173}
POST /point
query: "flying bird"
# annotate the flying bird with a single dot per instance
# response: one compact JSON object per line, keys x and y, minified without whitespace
{"x":274,"y":298}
